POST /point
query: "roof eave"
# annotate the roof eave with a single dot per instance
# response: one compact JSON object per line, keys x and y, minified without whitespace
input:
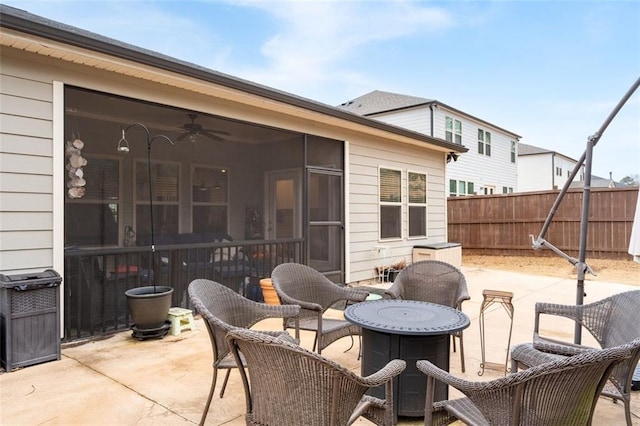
{"x":107,"y":46}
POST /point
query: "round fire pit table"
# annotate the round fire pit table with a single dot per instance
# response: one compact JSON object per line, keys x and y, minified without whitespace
{"x":408,"y":330}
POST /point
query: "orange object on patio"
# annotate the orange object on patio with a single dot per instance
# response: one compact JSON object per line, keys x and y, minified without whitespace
{"x":268,"y":293}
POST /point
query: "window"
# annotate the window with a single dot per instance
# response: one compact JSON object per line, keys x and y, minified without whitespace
{"x":513,"y":151}
{"x":484,"y":143}
{"x":417,"y":190}
{"x":165,"y":198}
{"x":488,"y":190}
{"x":92,"y":220}
{"x":507,"y":190}
{"x":453,"y":188}
{"x":390,"y":190}
{"x":558,"y":171}
{"x":209,"y":192}
{"x":460,"y":187}
{"x":453,"y":130}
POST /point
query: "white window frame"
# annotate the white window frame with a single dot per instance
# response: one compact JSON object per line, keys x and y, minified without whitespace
{"x":381,"y":204}
{"x":457,"y":193}
{"x":453,"y":130}
{"x":513,"y":151}
{"x":194,"y":203}
{"x":422,"y":205}
{"x":484,"y":142}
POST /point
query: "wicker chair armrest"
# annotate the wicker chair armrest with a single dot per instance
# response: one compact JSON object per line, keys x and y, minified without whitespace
{"x":283,"y":335}
{"x":345,"y":293}
{"x":443,"y":376}
{"x":553,"y":346}
{"x":466,"y":386}
{"x":593,"y":316}
{"x":542,"y":308}
{"x":288,"y":300}
{"x":463,"y":294}
{"x":276,"y":311}
{"x":395,"y":291}
{"x":569,"y":311}
{"x":528,"y":355}
{"x":386,"y":373}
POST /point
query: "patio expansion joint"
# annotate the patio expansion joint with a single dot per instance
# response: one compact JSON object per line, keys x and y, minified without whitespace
{"x":143,"y":396}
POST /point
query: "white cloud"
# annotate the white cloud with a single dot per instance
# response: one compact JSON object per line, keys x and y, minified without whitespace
{"x":316,"y":40}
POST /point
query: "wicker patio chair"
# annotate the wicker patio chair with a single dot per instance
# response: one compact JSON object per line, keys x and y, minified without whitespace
{"x":301,"y":285}
{"x":290,"y":385}
{"x":558,"y":393}
{"x":223,"y":310}
{"x":436,"y":282}
{"x":612,"y":321}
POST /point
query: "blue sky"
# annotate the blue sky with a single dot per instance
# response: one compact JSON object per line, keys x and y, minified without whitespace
{"x":549,"y":71}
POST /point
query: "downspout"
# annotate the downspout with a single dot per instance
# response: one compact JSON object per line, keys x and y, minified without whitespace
{"x":553,"y":170}
{"x":431,"y":107}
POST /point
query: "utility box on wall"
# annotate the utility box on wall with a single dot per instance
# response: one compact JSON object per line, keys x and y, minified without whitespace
{"x":29,"y":319}
{"x":444,"y":252}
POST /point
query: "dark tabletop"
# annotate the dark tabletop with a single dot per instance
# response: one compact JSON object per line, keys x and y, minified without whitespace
{"x":406,"y":317}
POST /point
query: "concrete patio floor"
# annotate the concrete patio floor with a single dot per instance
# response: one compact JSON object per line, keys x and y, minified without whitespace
{"x":123,"y":381}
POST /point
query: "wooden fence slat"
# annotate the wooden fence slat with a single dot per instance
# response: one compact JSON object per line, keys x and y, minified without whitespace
{"x":501,"y":224}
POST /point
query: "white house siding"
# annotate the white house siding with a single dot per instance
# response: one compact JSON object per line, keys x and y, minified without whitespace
{"x":26,"y":169}
{"x":537,"y":172}
{"x":495,"y":171}
{"x":417,"y":119}
{"x":566,"y":165}
{"x":365,"y":157}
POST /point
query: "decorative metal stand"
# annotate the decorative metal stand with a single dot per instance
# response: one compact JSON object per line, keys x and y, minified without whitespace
{"x":491,"y":297}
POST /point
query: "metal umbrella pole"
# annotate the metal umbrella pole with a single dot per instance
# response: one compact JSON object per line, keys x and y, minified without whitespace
{"x":586,"y":159}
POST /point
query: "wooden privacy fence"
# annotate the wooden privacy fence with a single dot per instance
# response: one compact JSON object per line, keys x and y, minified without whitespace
{"x":502,"y":224}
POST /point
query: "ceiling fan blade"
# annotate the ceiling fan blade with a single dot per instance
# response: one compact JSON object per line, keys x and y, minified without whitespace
{"x":182,"y":136}
{"x":210,"y":135}
{"x":217,"y":132}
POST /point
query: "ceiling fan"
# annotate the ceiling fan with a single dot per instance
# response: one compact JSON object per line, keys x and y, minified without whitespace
{"x":193,"y":129}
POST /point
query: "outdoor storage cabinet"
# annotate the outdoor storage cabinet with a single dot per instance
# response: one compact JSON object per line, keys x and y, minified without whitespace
{"x":29,"y":318}
{"x":444,"y":252}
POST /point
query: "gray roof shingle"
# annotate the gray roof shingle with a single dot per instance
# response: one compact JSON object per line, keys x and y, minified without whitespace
{"x":524,"y":149}
{"x":379,"y":101}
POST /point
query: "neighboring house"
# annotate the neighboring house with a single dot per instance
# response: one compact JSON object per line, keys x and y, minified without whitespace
{"x":266,"y":169}
{"x":489,"y":167}
{"x":599,"y":182}
{"x":541,"y":169}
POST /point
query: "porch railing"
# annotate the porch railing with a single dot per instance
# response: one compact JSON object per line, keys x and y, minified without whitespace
{"x":95,"y":280}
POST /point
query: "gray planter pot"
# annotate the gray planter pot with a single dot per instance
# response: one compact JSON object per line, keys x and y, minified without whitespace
{"x":149,"y":309}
